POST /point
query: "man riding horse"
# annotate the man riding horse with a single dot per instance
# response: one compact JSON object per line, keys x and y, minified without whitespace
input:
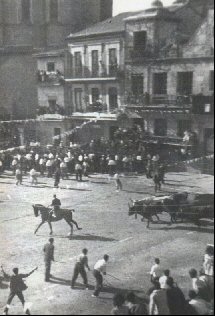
{"x":56,"y":204}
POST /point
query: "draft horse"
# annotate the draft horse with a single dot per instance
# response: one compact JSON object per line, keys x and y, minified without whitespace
{"x":64,"y":214}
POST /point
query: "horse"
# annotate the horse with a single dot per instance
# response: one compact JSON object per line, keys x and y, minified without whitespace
{"x":44,"y":212}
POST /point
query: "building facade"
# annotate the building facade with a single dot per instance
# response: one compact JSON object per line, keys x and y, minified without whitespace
{"x":170,"y":72}
{"x":27,"y":27}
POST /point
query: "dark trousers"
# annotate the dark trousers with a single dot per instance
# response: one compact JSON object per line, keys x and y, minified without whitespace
{"x":79,"y":269}
{"x":11,"y":297}
{"x":79,"y":175}
{"x":47,"y":270}
{"x":99,"y":282}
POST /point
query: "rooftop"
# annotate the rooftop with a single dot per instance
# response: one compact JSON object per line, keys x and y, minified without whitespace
{"x":115,"y":24}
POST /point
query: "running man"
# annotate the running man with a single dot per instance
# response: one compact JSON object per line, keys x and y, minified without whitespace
{"x":81,"y":263}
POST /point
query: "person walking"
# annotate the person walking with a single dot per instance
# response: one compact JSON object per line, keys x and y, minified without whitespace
{"x":57,"y":176}
{"x":18,"y":173}
{"x":118,"y":182}
{"x":17,"y":287}
{"x":99,"y":269}
{"x":48,"y":258}
{"x":156,"y":271}
{"x":81,"y":264}
{"x":33,"y":176}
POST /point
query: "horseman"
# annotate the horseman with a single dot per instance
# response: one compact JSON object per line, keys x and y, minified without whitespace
{"x":56,"y":203}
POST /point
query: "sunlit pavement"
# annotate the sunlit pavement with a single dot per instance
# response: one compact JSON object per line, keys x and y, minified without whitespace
{"x":107,"y":228}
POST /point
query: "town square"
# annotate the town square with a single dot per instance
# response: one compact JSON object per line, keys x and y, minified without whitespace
{"x":106,"y":157}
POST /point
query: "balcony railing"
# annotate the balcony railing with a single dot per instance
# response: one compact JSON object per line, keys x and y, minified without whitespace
{"x":42,"y":110}
{"x":85,"y":72}
{"x":45,"y":77}
{"x":145,"y":100}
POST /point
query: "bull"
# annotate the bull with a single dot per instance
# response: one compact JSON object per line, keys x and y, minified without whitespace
{"x":147,"y":209}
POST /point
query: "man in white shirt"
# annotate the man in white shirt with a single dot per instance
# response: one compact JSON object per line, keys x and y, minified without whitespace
{"x":156,"y":271}
{"x":99,"y":269}
{"x":81,"y":264}
{"x":163,"y":280}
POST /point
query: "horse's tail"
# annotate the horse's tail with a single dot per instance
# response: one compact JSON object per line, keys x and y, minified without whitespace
{"x":36,"y":211}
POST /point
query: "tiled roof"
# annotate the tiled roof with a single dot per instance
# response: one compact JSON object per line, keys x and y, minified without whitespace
{"x":115,"y":24}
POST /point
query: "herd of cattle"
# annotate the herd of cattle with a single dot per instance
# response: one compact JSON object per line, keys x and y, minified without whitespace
{"x":180,"y":206}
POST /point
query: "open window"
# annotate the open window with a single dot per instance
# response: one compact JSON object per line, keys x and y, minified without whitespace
{"x":113,"y":98}
{"x":95,"y":63}
{"x":160,"y":83}
{"x":51,"y":67}
{"x":113,"y":62}
{"x":26,"y":10}
{"x":95,"y":95}
{"x":53,"y":10}
{"x":140,"y":41}
{"x":185,"y":83}
{"x":78,"y":64}
{"x":183,"y":126}
{"x":137,"y":83}
{"x":211,"y":80}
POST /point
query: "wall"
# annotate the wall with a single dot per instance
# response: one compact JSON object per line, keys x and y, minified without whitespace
{"x":45,"y":92}
{"x":200,"y":68}
{"x":59,"y":63}
{"x":18,"y":85}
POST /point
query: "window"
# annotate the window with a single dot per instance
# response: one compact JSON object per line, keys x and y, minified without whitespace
{"x":53,"y":9}
{"x":137,"y":84}
{"x":160,"y":127}
{"x":78,"y":64}
{"x":95,"y":63}
{"x":160,"y":83}
{"x":52,"y":103}
{"x":140,"y":39}
{"x":185,"y":83}
{"x":183,"y":126}
{"x":78,"y":99}
{"x":112,"y":62}
{"x":95,"y":95}
{"x":51,"y":67}
{"x":113,"y":98}
{"x":211,"y":80}
{"x":26,"y":10}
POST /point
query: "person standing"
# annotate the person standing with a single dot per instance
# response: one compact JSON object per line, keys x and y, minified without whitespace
{"x":78,"y":171}
{"x":99,"y":269}
{"x":18,"y":176}
{"x":208,"y":266}
{"x":48,"y":258}
{"x":81,"y":264}
{"x":158,"y":304}
{"x":17,"y":286}
{"x":175,"y":298}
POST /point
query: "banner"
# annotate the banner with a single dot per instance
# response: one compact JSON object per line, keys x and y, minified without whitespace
{"x":74,"y":130}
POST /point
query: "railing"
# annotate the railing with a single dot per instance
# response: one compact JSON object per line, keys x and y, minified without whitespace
{"x":42,"y":110}
{"x":167,"y":140}
{"x":50,"y":77}
{"x":150,"y":100}
{"x":85,"y":73}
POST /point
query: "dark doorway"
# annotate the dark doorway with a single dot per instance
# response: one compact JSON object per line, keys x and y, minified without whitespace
{"x":137,"y":84}
{"x":183,"y":126}
{"x":140,"y":40}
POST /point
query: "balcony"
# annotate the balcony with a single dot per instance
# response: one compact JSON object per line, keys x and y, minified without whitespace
{"x":169,"y":141}
{"x":85,"y":74}
{"x":51,"y":110}
{"x":50,"y":78}
{"x":156,"y":101}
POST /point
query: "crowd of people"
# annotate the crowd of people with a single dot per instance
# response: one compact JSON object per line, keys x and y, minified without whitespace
{"x":164,"y":297}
